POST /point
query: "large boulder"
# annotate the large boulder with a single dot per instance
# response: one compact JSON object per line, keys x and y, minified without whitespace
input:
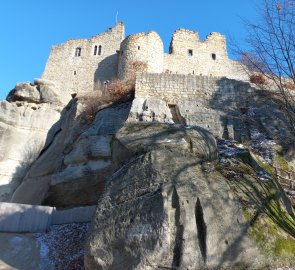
{"x":24,"y":92}
{"x":144,"y":137}
{"x":167,"y":207}
{"x":41,"y":91}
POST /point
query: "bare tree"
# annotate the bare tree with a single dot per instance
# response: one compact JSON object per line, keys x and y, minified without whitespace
{"x":271,"y":57}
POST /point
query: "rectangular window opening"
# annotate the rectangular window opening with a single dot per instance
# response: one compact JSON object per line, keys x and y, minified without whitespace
{"x":78,"y":51}
{"x":190,"y":53}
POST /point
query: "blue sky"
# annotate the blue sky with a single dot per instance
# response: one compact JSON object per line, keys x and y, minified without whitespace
{"x":28,"y":28}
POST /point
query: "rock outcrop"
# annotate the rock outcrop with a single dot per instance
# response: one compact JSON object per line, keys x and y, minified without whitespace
{"x":150,"y":110}
{"x":24,"y":127}
{"x":76,"y":161}
{"x":24,"y":92}
{"x":41,"y":91}
{"x":167,"y":207}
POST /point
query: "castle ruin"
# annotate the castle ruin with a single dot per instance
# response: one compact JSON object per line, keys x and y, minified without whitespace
{"x":78,"y":65}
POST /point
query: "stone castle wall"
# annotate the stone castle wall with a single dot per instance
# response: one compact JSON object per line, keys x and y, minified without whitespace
{"x":78,"y":71}
{"x":172,"y":88}
{"x":189,"y":55}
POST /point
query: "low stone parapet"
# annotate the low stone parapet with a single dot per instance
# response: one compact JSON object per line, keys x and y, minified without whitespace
{"x":35,"y":218}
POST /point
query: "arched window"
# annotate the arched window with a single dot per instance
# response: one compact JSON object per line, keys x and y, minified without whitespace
{"x":95,"y":50}
{"x":190,"y":53}
{"x":213,"y":55}
{"x":99,"y":50}
{"x":78,"y":51}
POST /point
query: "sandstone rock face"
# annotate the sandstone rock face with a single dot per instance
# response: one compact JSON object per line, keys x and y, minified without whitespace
{"x":75,"y":163}
{"x":24,"y":129}
{"x":186,"y":112}
{"x":164,"y":209}
{"x":49,"y":92}
{"x":148,"y":110}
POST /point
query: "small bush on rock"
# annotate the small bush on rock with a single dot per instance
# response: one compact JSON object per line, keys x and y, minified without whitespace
{"x":258,"y":79}
{"x":121,"y":90}
{"x":105,"y":95}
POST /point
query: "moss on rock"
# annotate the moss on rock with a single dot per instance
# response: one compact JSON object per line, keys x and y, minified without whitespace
{"x":265,"y":207}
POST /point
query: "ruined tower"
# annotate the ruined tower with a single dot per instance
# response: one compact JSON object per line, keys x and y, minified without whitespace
{"x":145,"y":48}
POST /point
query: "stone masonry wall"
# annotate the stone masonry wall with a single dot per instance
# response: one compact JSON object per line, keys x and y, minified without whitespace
{"x":175,"y":87}
{"x":75,"y":73}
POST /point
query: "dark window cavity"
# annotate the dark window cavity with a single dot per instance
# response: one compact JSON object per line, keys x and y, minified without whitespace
{"x":138,"y":47}
{"x":75,"y":72}
{"x":213,"y":55}
{"x":95,"y":50}
{"x":78,"y":51}
{"x":190,"y":53}
{"x":99,"y":50}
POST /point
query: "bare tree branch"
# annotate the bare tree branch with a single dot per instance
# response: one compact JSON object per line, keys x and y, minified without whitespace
{"x":272,"y":53}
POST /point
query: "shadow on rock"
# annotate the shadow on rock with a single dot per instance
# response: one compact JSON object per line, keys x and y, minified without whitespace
{"x":246,"y":109}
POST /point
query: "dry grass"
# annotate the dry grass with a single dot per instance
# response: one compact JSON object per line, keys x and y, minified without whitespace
{"x":91,"y":102}
{"x":136,"y":66}
{"x":118,"y":89}
{"x":258,"y":79}
{"x":139,"y":66}
{"x":290,"y":86}
{"x":104,"y":96}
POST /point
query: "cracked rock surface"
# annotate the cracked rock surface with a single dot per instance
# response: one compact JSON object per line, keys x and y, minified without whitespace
{"x":161,"y":209}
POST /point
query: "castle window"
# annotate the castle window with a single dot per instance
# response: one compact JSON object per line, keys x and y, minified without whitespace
{"x":75,"y":72}
{"x":213,"y":55}
{"x":95,"y":50}
{"x":78,"y":51}
{"x":138,"y":47}
{"x":99,"y":50}
{"x":190,"y":53}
